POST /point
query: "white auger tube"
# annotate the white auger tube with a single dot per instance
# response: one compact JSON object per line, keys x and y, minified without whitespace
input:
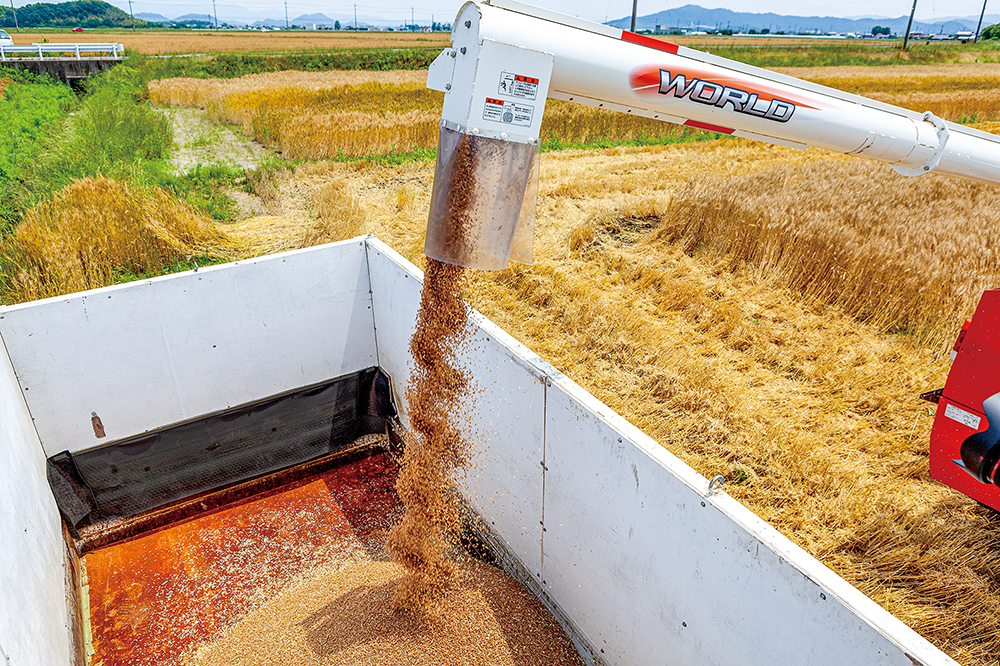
{"x":507,"y":57}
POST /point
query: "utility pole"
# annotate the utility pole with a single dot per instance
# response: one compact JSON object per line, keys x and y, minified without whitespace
{"x":214,"y":11}
{"x":15,"y":16}
{"x":980,"y":26}
{"x":413,"y":24}
{"x":635,"y":7}
{"x":909,"y":24}
{"x":131,"y":13}
{"x":355,"y":16}
{"x":286,"y":14}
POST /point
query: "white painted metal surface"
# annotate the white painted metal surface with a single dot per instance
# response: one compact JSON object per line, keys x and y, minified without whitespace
{"x":617,"y":69}
{"x":663,"y":574}
{"x":33,"y":615}
{"x":73,"y":50}
{"x":149,"y":354}
{"x":645,"y":566}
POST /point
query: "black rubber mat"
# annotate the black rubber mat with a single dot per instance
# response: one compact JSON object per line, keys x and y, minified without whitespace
{"x":146,"y":472}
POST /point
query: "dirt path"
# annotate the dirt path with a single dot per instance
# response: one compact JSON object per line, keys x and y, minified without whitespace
{"x":198,"y":141}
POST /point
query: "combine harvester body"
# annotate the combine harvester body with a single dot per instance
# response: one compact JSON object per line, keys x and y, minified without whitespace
{"x":128,"y":398}
{"x":965,"y":440}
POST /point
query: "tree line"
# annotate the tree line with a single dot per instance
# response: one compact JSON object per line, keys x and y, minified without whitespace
{"x":78,"y":13}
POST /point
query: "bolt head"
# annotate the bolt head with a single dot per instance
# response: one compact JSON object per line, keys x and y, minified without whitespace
{"x":447,"y":86}
{"x":468,"y":24}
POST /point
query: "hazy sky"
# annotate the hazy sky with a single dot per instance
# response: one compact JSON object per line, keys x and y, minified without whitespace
{"x":596,"y":10}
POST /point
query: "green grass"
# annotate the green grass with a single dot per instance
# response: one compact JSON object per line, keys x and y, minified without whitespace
{"x":30,"y":112}
{"x":109,"y":135}
{"x":205,"y":187}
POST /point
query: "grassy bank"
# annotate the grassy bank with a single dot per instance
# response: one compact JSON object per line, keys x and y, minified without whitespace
{"x":83,"y":179}
{"x":31,"y":110}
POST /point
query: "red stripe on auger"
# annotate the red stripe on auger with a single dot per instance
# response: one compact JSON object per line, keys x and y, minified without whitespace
{"x":710,"y":128}
{"x":643,"y":40}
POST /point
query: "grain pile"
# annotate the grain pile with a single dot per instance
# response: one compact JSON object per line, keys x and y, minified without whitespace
{"x":345,"y":616}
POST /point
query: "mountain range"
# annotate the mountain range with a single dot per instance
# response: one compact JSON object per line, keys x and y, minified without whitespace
{"x":693,"y":16}
{"x":240,"y":18}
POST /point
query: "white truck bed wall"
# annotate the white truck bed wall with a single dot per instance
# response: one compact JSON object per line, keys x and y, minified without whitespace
{"x":617,"y":535}
{"x":34,"y":623}
{"x":220,"y":337}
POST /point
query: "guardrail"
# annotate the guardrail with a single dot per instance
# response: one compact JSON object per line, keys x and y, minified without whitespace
{"x":39,"y":50}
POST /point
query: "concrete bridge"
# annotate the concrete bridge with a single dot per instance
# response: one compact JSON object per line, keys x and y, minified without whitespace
{"x":64,"y":62}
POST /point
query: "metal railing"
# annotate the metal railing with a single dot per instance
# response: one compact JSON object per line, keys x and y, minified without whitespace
{"x":39,"y":50}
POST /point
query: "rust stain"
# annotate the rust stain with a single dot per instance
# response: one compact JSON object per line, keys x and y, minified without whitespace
{"x":95,"y":421}
{"x":156,"y":597}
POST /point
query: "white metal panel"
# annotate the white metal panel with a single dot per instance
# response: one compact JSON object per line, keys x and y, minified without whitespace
{"x":149,"y":354}
{"x":504,"y":420}
{"x":653,"y":571}
{"x":33,"y":615}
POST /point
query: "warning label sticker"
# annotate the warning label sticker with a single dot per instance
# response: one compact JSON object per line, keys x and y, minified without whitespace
{"x":506,"y":111}
{"x":516,"y":85}
{"x":962,"y":416}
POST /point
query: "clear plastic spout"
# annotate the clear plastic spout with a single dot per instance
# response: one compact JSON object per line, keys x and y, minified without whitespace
{"x":483,"y":202}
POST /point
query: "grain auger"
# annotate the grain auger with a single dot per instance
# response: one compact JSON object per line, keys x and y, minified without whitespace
{"x":507,"y":58}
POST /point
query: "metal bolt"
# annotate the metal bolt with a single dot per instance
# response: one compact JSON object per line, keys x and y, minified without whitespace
{"x":447,"y":86}
{"x":468,"y":24}
{"x":453,"y":53}
{"x":822,"y":596}
{"x":463,"y":50}
{"x":927,"y":168}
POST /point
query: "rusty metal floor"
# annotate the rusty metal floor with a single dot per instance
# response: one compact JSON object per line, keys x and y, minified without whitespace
{"x":154,"y":598}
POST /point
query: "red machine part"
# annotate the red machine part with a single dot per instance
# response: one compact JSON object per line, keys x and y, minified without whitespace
{"x":965,"y":440}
